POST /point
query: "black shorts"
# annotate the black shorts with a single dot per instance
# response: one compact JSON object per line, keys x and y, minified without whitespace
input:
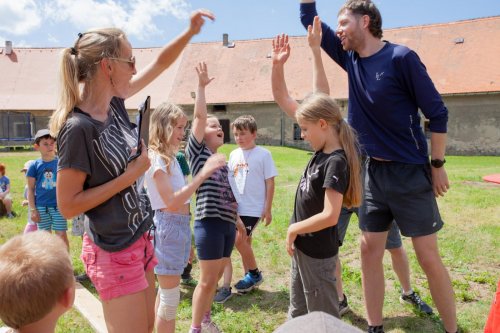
{"x":250,"y":223}
{"x":393,"y":238}
{"x":214,"y":238}
{"x":401,"y":192}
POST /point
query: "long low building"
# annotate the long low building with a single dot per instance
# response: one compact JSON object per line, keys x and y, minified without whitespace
{"x":461,"y":57}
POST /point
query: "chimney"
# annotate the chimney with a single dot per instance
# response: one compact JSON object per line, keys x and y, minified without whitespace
{"x":225,"y":41}
{"x":8,"y":47}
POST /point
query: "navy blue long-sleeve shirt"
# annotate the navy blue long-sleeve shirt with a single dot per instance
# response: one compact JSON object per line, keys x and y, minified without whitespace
{"x":386,"y":90}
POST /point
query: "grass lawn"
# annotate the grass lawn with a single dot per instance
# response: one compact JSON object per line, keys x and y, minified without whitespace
{"x":469,"y":245}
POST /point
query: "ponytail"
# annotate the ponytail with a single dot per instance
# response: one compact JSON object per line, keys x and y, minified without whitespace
{"x":349,"y":142}
{"x":79,"y":65}
{"x":69,"y":94}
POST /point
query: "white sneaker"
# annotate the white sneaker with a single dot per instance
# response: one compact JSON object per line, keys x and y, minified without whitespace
{"x":210,"y":327}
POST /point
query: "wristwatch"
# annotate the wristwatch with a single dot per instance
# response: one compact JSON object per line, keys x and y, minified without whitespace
{"x":437,"y":163}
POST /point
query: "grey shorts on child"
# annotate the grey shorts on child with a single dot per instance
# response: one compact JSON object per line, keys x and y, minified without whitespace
{"x":172,"y":242}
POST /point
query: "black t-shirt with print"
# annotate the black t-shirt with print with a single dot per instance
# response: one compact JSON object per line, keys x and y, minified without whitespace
{"x":101,"y":150}
{"x":323,"y":171}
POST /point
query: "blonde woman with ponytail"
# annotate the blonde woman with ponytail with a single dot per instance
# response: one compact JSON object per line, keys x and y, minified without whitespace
{"x":95,"y":140}
{"x":331,"y":180}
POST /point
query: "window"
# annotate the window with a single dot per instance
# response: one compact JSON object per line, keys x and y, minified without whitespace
{"x":219,"y":108}
{"x":224,"y":123}
{"x":296,"y":132}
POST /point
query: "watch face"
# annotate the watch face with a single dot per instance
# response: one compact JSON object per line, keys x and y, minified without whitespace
{"x":437,"y":163}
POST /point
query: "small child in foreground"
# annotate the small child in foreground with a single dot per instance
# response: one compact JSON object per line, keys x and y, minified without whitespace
{"x":37,"y":282}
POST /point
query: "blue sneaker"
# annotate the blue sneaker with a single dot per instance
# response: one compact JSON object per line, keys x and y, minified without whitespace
{"x":248,"y":283}
{"x":222,"y":295}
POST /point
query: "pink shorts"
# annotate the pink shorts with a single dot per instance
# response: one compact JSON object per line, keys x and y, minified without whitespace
{"x":116,"y":274}
{"x":30,"y":228}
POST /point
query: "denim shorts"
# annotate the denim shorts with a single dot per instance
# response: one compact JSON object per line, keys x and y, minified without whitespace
{"x":121,"y":273}
{"x":393,"y":238}
{"x":214,"y":238}
{"x":401,"y":192}
{"x":172,"y":242}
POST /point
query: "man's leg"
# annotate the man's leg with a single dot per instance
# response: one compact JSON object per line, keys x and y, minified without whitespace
{"x":372,"y":254}
{"x":427,"y":251}
{"x":401,"y":266}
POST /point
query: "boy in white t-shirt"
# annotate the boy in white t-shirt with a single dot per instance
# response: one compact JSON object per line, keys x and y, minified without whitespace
{"x":251,"y":175}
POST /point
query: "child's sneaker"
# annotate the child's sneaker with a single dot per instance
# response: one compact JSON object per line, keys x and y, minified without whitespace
{"x":222,"y":295}
{"x":249,"y":282}
{"x":10,"y":216}
{"x":415,"y":300}
{"x":209,"y":327}
{"x":82,"y":277}
{"x":343,"y":306}
{"x":375,"y":329}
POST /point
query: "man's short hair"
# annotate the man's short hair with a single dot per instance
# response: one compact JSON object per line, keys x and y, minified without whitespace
{"x":35,"y":271}
{"x":366,"y":7}
{"x":245,"y":123}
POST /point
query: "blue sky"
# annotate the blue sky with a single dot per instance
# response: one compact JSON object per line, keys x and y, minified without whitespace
{"x":150,"y":23}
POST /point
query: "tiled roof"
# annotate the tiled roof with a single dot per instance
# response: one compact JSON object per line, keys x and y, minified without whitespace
{"x":461,"y":57}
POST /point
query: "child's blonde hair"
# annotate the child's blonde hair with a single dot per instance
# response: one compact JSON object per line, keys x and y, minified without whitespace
{"x":163,"y":120}
{"x":35,"y":271}
{"x":79,"y":65}
{"x":320,"y":106}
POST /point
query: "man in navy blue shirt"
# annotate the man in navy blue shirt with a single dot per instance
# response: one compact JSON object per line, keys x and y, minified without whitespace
{"x":388,"y":85}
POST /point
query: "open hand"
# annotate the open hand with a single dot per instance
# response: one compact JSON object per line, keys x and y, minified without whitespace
{"x":314,"y":33}
{"x":203,"y":78}
{"x":281,"y":49}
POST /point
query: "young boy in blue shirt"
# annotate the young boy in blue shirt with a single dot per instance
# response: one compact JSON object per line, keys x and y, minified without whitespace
{"x":42,"y":188}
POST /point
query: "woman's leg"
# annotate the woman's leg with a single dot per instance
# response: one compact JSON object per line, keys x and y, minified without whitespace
{"x":132,"y":313}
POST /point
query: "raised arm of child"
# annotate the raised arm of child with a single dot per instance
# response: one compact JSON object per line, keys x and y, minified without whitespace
{"x":200,"y":105}
{"x":280,"y":54}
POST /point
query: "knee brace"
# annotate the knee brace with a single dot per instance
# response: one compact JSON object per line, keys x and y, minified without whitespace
{"x":169,"y":301}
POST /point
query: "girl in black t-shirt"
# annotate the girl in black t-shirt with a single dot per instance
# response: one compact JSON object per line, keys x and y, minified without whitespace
{"x":331,"y":180}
